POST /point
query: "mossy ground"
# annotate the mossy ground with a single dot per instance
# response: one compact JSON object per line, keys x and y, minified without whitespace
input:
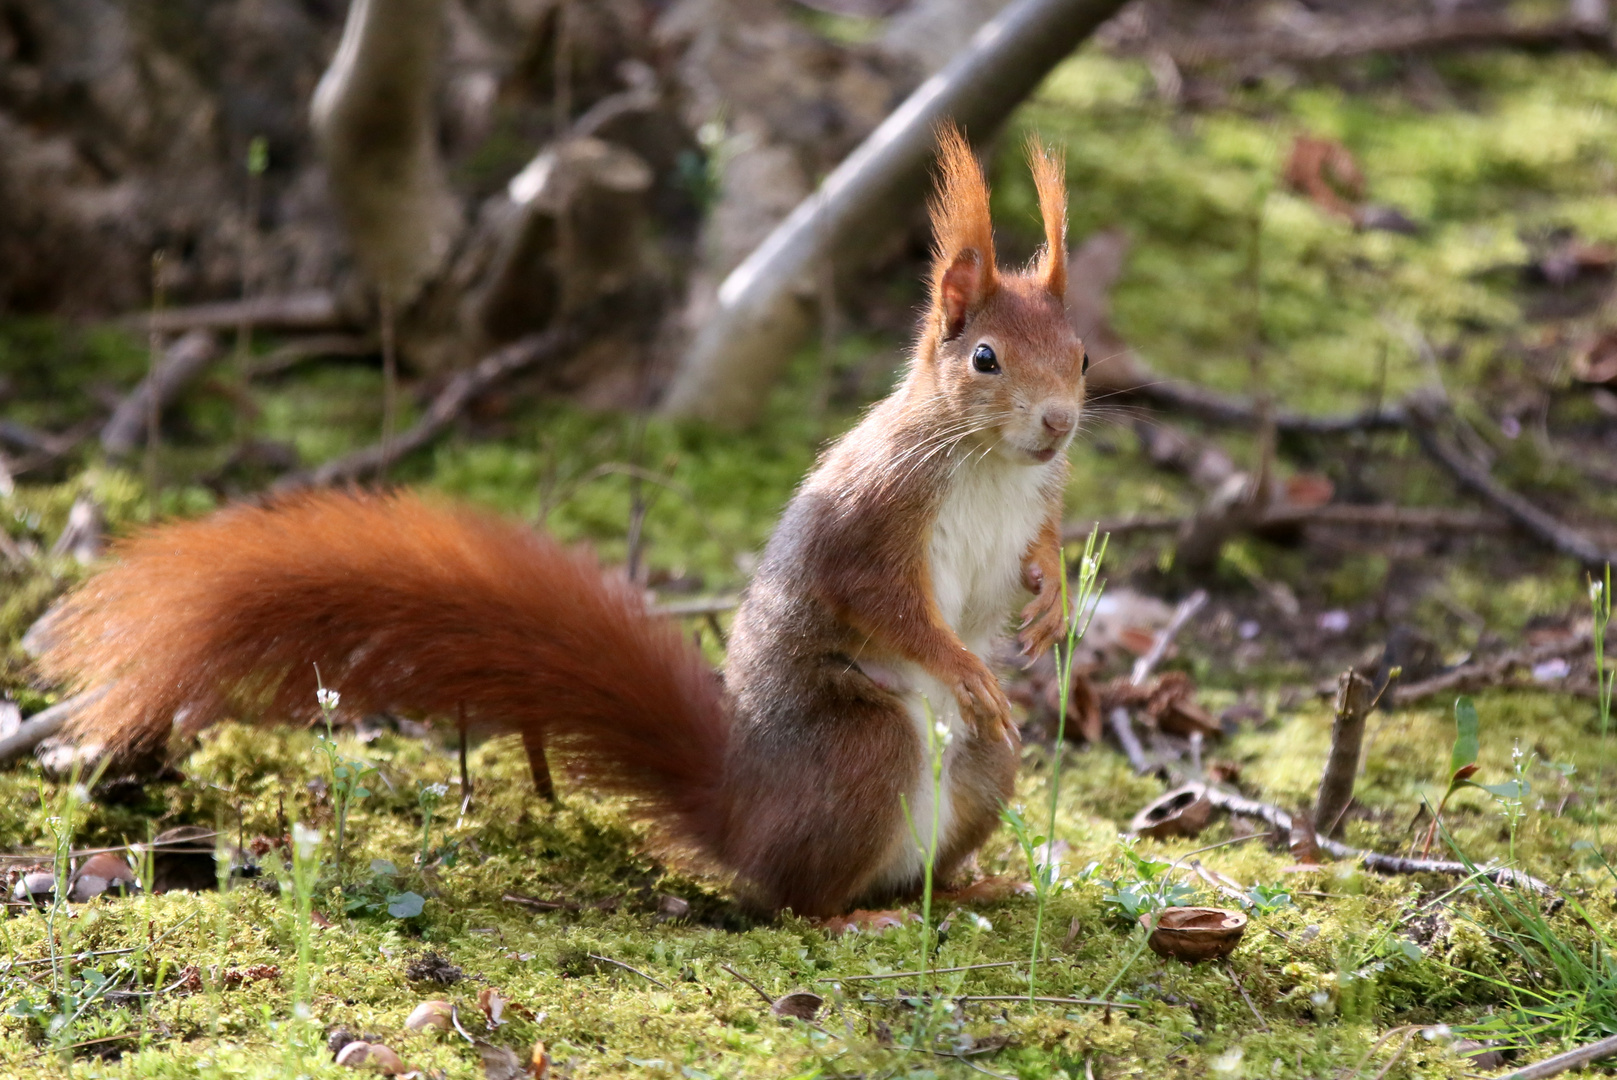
{"x":1505,"y":151}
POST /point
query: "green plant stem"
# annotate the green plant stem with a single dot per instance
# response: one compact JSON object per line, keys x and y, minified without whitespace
{"x":1088,"y":572}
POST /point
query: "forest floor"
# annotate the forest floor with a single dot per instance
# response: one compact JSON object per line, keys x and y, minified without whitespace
{"x":620,"y":965}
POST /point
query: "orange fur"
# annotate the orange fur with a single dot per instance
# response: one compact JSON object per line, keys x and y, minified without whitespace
{"x":1050,"y":178}
{"x":790,"y":776}
{"x":962,"y":231}
{"x":404,"y":606}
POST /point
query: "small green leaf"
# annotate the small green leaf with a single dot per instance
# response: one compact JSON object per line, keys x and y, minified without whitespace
{"x":382,"y":866}
{"x":1465,"y":739}
{"x":1510,"y":789}
{"x":405,"y":905}
{"x":361,"y":792}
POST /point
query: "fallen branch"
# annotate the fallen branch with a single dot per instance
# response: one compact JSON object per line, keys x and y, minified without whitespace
{"x":1338,"y":40}
{"x":183,"y":363}
{"x":41,"y":726}
{"x":1572,"y":1059}
{"x":302,"y":312}
{"x":1342,"y":515}
{"x":1539,"y":523}
{"x":450,"y":403}
{"x":1386,"y":864}
{"x":1215,"y":408}
{"x":293,"y":353}
{"x":1487,"y":672}
{"x":745,"y":343}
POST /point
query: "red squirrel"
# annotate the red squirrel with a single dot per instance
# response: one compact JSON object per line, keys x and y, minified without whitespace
{"x":888,"y":578}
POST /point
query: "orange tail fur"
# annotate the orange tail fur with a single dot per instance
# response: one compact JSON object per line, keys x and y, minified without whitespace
{"x":405,"y":606}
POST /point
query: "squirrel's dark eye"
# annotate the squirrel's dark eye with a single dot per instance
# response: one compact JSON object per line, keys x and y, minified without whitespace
{"x":1085,"y":369}
{"x":984,"y":360}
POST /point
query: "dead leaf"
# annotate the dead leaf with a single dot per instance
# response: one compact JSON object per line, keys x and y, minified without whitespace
{"x":1324,"y":171}
{"x":501,"y":1063}
{"x":493,"y":1004}
{"x":318,"y":919}
{"x":1309,"y":489}
{"x":539,"y":1061}
{"x":799,"y":1004}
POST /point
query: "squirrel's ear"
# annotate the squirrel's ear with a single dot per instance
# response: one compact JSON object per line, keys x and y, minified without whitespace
{"x":1050,"y":178}
{"x":960,"y":291}
{"x":963,"y":252}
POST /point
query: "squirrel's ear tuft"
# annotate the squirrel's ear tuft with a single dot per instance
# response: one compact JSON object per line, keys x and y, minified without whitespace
{"x":1050,"y":177}
{"x":963,"y":238}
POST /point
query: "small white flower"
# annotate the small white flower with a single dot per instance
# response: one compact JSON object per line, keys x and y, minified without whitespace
{"x":437,"y":791}
{"x":1229,"y":1062}
{"x":1595,"y":589}
{"x":978,"y":921}
{"x":1437,"y":1033}
{"x":328,"y":699}
{"x":81,"y":793}
{"x":301,"y":1011}
{"x":306,"y":839}
{"x":944,"y":733}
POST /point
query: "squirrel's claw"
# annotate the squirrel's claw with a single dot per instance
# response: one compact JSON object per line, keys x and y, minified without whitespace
{"x":1043,"y":623}
{"x":983,"y":705}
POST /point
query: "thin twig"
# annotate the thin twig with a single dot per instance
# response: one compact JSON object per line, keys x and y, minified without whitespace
{"x":1049,"y":1000}
{"x":451,"y":401}
{"x":1538,"y":523}
{"x":769,"y":1001}
{"x":627,"y":967}
{"x":1229,"y":970}
{"x":908,"y":974}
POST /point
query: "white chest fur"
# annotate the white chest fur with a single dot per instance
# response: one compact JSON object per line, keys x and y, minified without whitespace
{"x":989,"y":516}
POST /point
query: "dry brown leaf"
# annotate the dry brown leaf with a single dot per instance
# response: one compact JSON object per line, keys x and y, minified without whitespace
{"x":501,"y":1062}
{"x":1324,"y":171}
{"x":493,"y":1004}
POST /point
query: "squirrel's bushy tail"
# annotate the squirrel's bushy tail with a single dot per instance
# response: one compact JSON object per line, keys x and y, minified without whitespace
{"x":407,"y":606}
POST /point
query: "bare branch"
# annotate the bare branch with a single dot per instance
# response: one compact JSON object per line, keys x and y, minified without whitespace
{"x":182,"y":363}
{"x":451,"y":401}
{"x":742,"y":349}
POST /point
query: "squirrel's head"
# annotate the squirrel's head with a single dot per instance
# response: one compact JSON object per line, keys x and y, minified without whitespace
{"x":996,"y":356}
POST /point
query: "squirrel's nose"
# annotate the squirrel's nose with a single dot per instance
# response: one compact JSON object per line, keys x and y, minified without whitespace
{"x":1060,"y":419}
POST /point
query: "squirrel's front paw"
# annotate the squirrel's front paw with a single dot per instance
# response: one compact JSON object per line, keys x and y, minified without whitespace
{"x":983,"y":705}
{"x":1044,"y":622}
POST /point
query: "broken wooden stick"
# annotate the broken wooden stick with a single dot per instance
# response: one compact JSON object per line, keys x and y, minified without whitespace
{"x":1355,"y":697}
